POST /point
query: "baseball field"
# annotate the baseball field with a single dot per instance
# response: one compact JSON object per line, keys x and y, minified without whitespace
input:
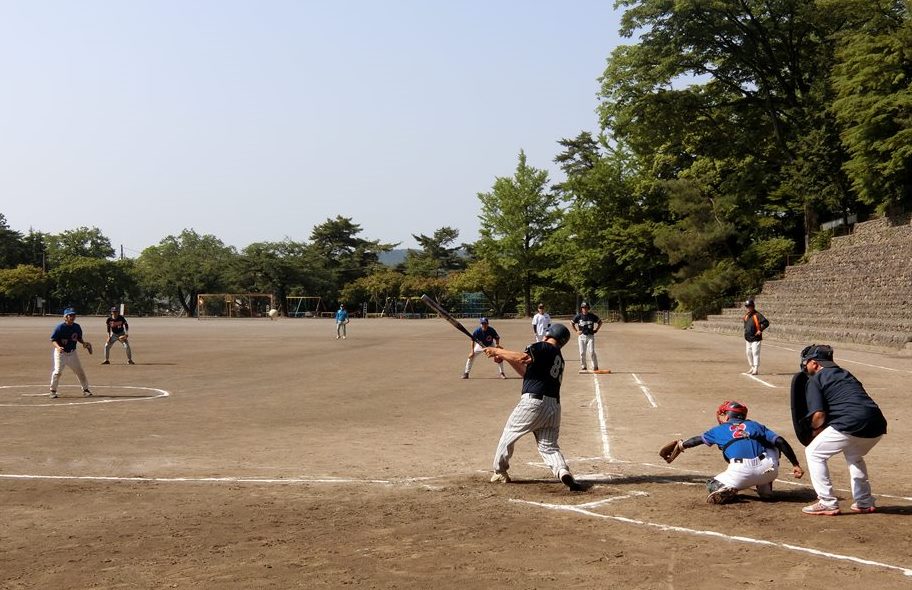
{"x":269,"y":454}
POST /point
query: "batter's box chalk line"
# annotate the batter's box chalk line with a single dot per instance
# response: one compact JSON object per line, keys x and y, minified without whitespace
{"x":154,"y":393}
{"x":584,"y":510}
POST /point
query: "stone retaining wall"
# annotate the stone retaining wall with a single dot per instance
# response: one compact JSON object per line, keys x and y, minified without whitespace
{"x":859,"y":291}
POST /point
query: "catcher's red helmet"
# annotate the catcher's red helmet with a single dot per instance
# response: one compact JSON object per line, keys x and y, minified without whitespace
{"x":731,"y":409}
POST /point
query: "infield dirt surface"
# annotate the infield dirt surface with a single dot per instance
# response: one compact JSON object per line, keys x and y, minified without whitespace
{"x":285,"y":458}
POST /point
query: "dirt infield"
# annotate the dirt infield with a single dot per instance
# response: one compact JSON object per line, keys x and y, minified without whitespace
{"x":260,"y":454}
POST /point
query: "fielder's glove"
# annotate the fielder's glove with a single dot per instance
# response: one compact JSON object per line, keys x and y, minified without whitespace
{"x":122,"y":337}
{"x":87,"y":346}
{"x":670,"y":451}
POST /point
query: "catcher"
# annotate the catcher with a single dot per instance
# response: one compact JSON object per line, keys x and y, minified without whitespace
{"x":117,"y":332}
{"x":750,"y":449}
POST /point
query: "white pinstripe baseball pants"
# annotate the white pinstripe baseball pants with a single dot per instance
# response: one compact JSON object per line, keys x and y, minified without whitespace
{"x":67,"y":359}
{"x":542,"y":418}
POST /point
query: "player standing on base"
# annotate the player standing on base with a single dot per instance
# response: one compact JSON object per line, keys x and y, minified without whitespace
{"x":538,"y":411}
{"x":118,"y":329}
{"x":64,"y":338}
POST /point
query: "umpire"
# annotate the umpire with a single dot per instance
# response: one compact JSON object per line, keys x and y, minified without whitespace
{"x":843,"y":419}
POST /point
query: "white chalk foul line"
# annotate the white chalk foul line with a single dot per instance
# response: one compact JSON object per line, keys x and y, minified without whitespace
{"x":845,"y":360}
{"x":603,"y":422}
{"x":580,"y":509}
{"x":759,"y":380}
{"x":646,"y":392}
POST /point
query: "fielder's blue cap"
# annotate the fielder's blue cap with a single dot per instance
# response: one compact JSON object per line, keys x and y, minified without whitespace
{"x":69,"y":311}
{"x":483,"y":321}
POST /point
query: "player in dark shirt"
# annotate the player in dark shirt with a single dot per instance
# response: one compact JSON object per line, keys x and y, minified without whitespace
{"x":118,"y":331}
{"x":844,"y":419}
{"x":538,"y":411}
{"x":484,"y":335}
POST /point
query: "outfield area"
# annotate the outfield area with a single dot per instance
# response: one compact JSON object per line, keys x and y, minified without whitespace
{"x":269,"y":454}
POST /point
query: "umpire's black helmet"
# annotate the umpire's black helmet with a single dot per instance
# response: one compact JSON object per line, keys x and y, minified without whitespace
{"x":559,"y":332}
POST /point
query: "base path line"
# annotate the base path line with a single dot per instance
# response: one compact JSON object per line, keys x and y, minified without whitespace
{"x":737,"y":539}
{"x":759,"y":380}
{"x":646,"y":392}
{"x":845,"y":360}
{"x":603,"y":422}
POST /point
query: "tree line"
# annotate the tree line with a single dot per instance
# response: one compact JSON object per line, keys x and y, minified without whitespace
{"x":729,"y":132}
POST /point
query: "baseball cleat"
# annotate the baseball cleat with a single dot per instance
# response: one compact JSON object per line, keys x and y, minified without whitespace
{"x":862,"y":509}
{"x":500,"y":478}
{"x":86,"y":393}
{"x":502,"y":376}
{"x":130,"y":362}
{"x":106,"y":363}
{"x":723,"y":495}
{"x":572,"y":484}
{"x":465,"y":375}
{"x":53,"y":395}
{"x":819,"y":509}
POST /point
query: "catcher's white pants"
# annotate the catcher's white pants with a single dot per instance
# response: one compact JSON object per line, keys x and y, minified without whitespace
{"x":748,"y":473}
{"x":471,"y":360}
{"x":752,"y":349}
{"x":111,"y":340}
{"x":587,"y":343}
{"x":71,"y":360}
{"x":542,"y":418}
{"x":831,"y":442}
{"x":340,"y":329}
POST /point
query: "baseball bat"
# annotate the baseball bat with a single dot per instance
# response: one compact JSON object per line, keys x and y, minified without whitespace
{"x":446,"y":315}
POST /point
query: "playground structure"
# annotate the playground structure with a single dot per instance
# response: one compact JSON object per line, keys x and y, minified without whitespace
{"x":233,"y":305}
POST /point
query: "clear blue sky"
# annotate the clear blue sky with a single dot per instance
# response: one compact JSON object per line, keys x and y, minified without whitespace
{"x":255,"y":121}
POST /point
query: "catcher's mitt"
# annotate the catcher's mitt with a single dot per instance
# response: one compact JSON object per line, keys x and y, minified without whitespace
{"x":670,"y":451}
{"x":88,"y":346}
{"x":122,"y":337}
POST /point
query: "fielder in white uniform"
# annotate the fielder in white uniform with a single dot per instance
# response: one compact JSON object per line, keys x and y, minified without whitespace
{"x":541,"y":321}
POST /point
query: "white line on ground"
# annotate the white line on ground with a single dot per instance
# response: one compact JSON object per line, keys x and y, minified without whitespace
{"x":759,"y":380}
{"x":83,"y":401}
{"x":705,"y":533}
{"x":603,"y":423}
{"x":646,"y":392}
{"x":194,"y":479}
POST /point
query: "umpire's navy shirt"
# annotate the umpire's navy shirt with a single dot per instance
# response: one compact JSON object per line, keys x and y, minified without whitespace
{"x":849,"y":409}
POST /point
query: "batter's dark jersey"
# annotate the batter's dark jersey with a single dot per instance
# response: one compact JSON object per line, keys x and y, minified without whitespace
{"x":117,"y":325}
{"x":544,"y":373}
{"x":67,"y":336}
{"x":849,"y":409}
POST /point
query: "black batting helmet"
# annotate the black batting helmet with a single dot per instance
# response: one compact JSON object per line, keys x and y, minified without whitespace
{"x":559,"y":332}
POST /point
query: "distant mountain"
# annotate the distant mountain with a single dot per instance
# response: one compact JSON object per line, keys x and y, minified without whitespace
{"x":393,"y":257}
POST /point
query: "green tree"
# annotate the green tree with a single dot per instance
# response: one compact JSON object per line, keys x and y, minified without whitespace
{"x":347,"y":256}
{"x":517,"y":216}
{"x":439,"y":254}
{"x":11,"y":245}
{"x":498,"y":284}
{"x":873,"y":82}
{"x":80,"y":242}
{"x":279,"y":268}
{"x":181,"y":267}
{"x":22,"y":285}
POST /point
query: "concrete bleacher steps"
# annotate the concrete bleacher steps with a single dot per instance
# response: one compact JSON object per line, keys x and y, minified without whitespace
{"x":859,"y":292}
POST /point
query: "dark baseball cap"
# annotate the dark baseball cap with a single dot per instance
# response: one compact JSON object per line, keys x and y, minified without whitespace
{"x":822,"y":353}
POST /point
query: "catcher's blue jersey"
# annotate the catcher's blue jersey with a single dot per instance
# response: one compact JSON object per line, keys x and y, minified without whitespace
{"x":741,"y":439}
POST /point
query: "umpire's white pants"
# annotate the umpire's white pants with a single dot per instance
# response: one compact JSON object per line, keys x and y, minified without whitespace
{"x":831,"y":442}
{"x":752,"y":349}
{"x":71,"y":360}
{"x":587,"y":344}
{"x":542,"y":418}
{"x":111,"y":340}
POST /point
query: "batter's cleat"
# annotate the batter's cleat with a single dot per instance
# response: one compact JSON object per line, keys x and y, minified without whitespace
{"x":753,"y":371}
{"x":465,"y":375}
{"x":724,"y":495}
{"x":106,"y":363}
{"x":86,"y":393}
{"x":53,"y":395}
{"x":574,"y":486}
{"x":130,"y":362}
{"x":862,"y":509}
{"x":500,"y":478}
{"x":820,"y":509}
